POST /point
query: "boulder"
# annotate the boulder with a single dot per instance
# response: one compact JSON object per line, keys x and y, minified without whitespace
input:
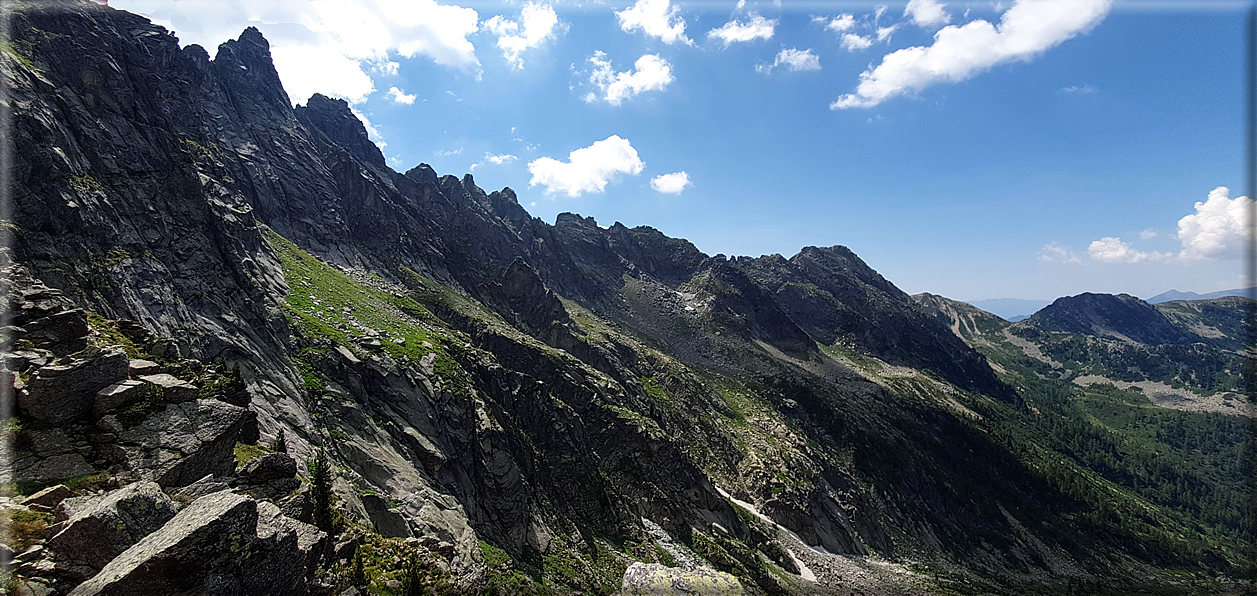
{"x":211,"y":547}
{"x":312,"y":542}
{"x":174,"y":390}
{"x":49,"y":497}
{"x":63,"y":392}
{"x":144,"y":367}
{"x":186,"y":441}
{"x":73,"y":506}
{"x":165,"y":349}
{"x":273,"y":466}
{"x":97,"y":534}
{"x":64,"y":332}
{"x":117,"y":395}
{"x":654,"y":579}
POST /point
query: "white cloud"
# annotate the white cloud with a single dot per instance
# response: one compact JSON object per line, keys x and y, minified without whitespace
{"x":1078,"y":90}
{"x":841,"y":23}
{"x":1217,"y":229}
{"x":884,"y":33}
{"x":671,"y":184}
{"x":495,"y":159}
{"x":1148,"y":234}
{"x":927,"y":13}
{"x":1027,"y":29}
{"x":588,"y":169}
{"x":537,"y":23}
{"x":651,"y":73}
{"x":656,"y":18}
{"x":327,"y":46}
{"x":1113,"y":250}
{"x":853,"y":42}
{"x":1055,"y":253}
{"x":735,"y":32}
{"x":399,"y":96}
{"x":446,"y":152}
{"x":794,"y":60}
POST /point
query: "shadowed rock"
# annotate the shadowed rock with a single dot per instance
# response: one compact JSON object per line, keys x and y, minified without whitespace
{"x":97,"y":534}
{"x":64,"y":392}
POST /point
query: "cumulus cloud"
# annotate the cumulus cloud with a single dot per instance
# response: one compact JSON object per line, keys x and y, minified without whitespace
{"x":841,"y":23}
{"x":588,"y":169}
{"x":671,"y":184}
{"x":650,"y":73}
{"x":736,"y":32}
{"x":852,"y":42}
{"x":1218,"y":228}
{"x":495,"y":159}
{"x":793,"y":59}
{"x":1113,"y":250}
{"x":927,"y":13}
{"x":1056,"y":253}
{"x":1027,"y":29}
{"x":537,"y":23}
{"x":656,"y":18}
{"x":399,"y":96}
{"x":324,"y":46}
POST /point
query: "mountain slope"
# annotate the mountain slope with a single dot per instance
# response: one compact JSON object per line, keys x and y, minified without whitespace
{"x":544,"y":404}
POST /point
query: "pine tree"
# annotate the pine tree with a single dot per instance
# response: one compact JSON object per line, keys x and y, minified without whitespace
{"x":414,"y":582}
{"x":280,"y":445}
{"x":358,"y":573}
{"x":321,"y":492}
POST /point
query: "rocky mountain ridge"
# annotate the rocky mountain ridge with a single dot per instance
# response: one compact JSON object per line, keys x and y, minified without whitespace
{"x":524,"y":407}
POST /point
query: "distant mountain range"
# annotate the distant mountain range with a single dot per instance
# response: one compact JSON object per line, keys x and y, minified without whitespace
{"x":1018,"y":309}
{"x":1177,"y":295}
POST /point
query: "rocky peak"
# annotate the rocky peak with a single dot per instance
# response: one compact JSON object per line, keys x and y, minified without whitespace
{"x":1120,"y":316}
{"x":334,"y":120}
{"x":840,"y":260}
{"x":423,"y":174}
{"x":245,"y":69}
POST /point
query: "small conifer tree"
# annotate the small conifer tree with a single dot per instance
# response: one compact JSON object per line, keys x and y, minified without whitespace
{"x":321,"y":492}
{"x":280,"y":445}
{"x":358,"y":573}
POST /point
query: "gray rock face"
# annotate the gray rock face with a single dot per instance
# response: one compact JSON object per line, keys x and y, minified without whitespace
{"x":642,"y":579}
{"x":61,"y":332}
{"x":211,"y":547}
{"x":63,"y":392}
{"x":205,"y":486}
{"x":50,"y":456}
{"x":186,"y":442}
{"x":97,"y":534}
{"x":117,"y":395}
{"x":388,"y":522}
{"x":312,"y":543}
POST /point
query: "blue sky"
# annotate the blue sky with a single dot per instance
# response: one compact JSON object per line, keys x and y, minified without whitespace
{"x":971,"y":149}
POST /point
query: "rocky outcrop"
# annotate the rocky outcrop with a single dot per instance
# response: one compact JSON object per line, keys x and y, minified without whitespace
{"x":63,"y":392}
{"x":97,"y":534}
{"x":184,"y":442}
{"x":650,"y":579}
{"x":216,"y":545}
